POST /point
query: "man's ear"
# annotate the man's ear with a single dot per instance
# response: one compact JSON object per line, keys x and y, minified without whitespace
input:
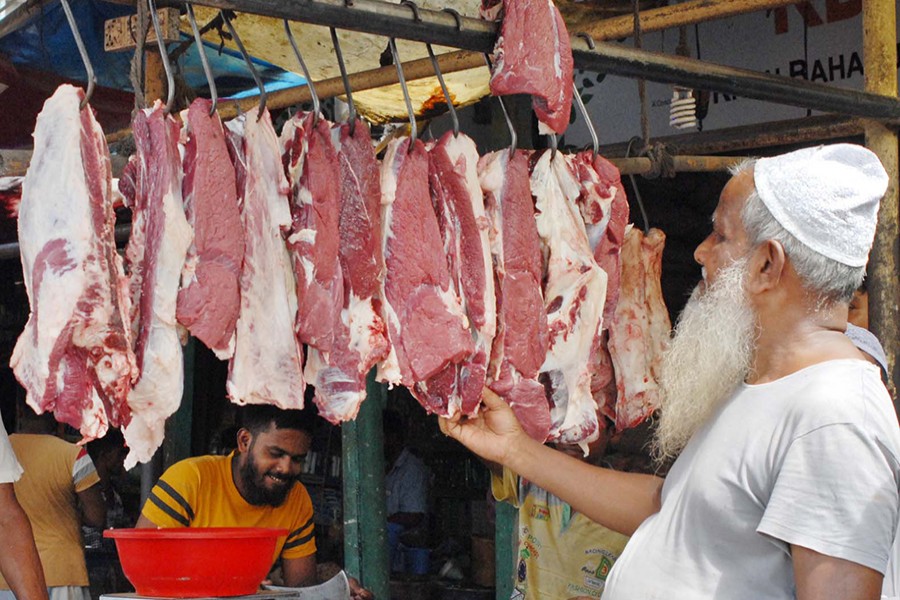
{"x":766,"y":267}
{"x":244,"y":437}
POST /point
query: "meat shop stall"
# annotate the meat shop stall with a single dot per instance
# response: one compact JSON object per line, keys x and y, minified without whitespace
{"x":359,"y":205}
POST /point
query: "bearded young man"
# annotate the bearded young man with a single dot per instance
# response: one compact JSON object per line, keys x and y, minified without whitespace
{"x":257,"y":485}
{"x":788,"y":470}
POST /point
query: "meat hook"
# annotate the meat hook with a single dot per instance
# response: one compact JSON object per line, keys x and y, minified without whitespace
{"x":512,"y":130}
{"x":437,"y":69}
{"x":256,"y":77}
{"x":554,"y":142}
{"x":309,"y":82}
{"x":164,"y":55}
{"x":91,"y":78}
{"x":351,"y":116}
{"x":588,"y":39}
{"x":214,"y":95}
{"x":456,"y":17}
{"x":413,"y":131}
{"x":587,"y":119}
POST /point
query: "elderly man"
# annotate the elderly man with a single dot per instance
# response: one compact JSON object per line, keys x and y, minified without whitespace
{"x":786,"y":484}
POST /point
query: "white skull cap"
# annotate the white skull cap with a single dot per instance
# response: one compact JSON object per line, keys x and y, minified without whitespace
{"x":827,"y":197}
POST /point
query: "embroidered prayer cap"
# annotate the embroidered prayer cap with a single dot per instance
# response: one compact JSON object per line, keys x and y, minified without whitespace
{"x":827,"y":197}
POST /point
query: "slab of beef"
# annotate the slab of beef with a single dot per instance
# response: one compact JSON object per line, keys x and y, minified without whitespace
{"x":640,"y":329}
{"x":426,"y":325}
{"x":459,"y":204}
{"x":74,"y":356}
{"x":160,"y":237}
{"x":310,"y":161}
{"x":533,"y":56}
{"x":574,"y":292}
{"x":267,"y":363}
{"x":360,"y":335}
{"x":520,"y":345}
{"x":210,"y":298}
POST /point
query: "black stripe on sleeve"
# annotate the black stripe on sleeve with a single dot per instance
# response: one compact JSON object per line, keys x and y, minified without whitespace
{"x":300,"y":541}
{"x":168,"y":510}
{"x":177,"y":498}
{"x":300,"y":529}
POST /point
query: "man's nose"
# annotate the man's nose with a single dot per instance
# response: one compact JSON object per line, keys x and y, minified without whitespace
{"x":700,"y":252}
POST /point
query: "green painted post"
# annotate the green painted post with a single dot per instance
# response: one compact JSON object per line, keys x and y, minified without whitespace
{"x":505,"y":521}
{"x":177,"y":443}
{"x":365,"y":524}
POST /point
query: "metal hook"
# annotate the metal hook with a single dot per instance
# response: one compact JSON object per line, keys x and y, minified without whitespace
{"x":214,"y":95}
{"x":456,"y":16}
{"x":91,"y":79}
{"x":164,"y":55}
{"x":437,"y":70}
{"x":587,"y":119}
{"x":509,"y":124}
{"x":413,"y":131}
{"x":588,"y":39}
{"x":554,"y":142}
{"x":256,"y":78}
{"x":351,"y":117}
{"x":309,"y":83}
{"x":637,"y":192}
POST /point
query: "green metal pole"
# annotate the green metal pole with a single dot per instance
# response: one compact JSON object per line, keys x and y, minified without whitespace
{"x":505,"y":521}
{"x":365,"y":523}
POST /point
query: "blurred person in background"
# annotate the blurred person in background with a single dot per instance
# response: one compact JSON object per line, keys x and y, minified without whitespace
{"x":59,"y":492}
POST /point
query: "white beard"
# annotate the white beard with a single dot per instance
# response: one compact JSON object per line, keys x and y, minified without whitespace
{"x":709,"y":355}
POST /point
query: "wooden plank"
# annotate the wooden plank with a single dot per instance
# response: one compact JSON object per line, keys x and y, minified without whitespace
{"x":121,"y":33}
{"x":880,"y":60}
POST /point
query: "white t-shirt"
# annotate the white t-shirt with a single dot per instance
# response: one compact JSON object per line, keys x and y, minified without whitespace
{"x":810,"y":459}
{"x":10,"y":470}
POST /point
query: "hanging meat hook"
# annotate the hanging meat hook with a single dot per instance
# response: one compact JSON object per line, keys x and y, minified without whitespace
{"x":91,"y":79}
{"x":509,"y":124}
{"x":164,"y":55}
{"x":413,"y":130}
{"x":437,"y":69}
{"x":351,"y":116}
{"x":214,"y":95}
{"x":309,"y":81}
{"x":587,"y":119}
{"x":256,"y":77}
{"x":554,"y":143}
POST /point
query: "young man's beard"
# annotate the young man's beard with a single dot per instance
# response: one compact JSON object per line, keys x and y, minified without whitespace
{"x":708,"y":357}
{"x":255,"y":489}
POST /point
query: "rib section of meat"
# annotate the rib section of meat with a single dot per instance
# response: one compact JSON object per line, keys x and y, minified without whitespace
{"x":533,"y":56}
{"x":426,"y":325}
{"x":209,"y":301}
{"x":520,"y":345}
{"x":640,"y":330}
{"x":74,"y":356}
{"x":459,"y":205}
{"x":160,"y":237}
{"x":267,"y":363}
{"x":574,"y":293}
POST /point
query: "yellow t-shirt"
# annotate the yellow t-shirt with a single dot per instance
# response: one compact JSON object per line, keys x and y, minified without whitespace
{"x":55,"y":471}
{"x":560,"y":554}
{"x":200,"y":492}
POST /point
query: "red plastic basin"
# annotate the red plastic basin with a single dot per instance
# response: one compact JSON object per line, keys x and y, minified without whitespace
{"x":196,"y":562}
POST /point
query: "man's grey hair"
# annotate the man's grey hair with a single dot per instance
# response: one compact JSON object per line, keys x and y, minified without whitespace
{"x":828,"y":279}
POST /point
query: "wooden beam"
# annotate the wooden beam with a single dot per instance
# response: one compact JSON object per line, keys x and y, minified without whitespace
{"x":682,"y":164}
{"x":880,"y":60}
{"x":676,"y":15}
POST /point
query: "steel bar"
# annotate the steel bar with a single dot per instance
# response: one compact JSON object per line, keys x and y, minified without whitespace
{"x":677,"y":15}
{"x":682,"y":164}
{"x":880,"y":60}
{"x":438,"y":27}
{"x":10,"y":250}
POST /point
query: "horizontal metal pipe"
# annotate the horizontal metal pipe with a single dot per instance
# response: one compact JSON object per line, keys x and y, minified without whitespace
{"x":640,"y":165}
{"x":10,"y":250}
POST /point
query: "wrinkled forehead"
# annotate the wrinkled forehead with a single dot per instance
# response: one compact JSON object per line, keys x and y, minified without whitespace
{"x":732,"y":199}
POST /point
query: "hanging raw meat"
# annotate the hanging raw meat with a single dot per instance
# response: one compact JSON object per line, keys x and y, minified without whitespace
{"x":574,"y":294}
{"x":160,"y":237}
{"x":520,"y":345}
{"x":266,"y":367}
{"x":533,"y":56}
{"x":459,"y":204}
{"x":210,"y":299}
{"x":310,"y":159}
{"x":360,"y":335}
{"x":640,"y":329}
{"x":426,"y":325}
{"x":74,"y":357}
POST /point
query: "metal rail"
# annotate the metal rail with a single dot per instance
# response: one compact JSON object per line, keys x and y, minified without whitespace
{"x":438,"y":27}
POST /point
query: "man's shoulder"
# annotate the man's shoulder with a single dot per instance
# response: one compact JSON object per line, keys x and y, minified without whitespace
{"x":197,"y":466}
